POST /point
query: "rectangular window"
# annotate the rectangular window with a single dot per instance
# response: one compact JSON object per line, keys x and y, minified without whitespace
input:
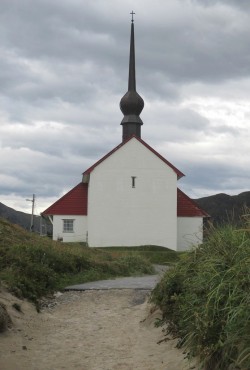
{"x":133,"y":181}
{"x":68,"y":226}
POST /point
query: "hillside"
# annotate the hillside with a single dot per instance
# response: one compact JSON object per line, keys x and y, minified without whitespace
{"x":32,"y":265}
{"x":23,"y":219}
{"x":18,"y":218}
{"x":223,"y":208}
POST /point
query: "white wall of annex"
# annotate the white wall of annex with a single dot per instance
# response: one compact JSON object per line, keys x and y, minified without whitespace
{"x":80,"y":228}
{"x":120,"y":215}
{"x":190,"y":232}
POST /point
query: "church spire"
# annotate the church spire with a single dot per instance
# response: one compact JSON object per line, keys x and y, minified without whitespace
{"x":131,"y":103}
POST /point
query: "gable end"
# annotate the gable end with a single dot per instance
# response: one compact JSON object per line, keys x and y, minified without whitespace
{"x":90,"y":169}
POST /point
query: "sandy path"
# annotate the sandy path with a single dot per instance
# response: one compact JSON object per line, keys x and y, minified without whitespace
{"x":91,"y":330}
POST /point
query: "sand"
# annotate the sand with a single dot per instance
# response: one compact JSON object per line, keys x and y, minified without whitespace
{"x":91,"y":330}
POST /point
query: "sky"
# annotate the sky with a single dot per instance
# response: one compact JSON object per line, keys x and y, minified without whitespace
{"x":64,"y":69}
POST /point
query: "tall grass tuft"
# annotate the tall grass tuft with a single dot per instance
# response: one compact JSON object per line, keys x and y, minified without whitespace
{"x":205,"y":299}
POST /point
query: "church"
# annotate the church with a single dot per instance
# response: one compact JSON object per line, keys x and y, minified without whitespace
{"x":130,"y":196}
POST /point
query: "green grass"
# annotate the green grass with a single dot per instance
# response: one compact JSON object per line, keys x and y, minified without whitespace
{"x":153,"y":253}
{"x":205,"y":300}
{"x":33,"y":266}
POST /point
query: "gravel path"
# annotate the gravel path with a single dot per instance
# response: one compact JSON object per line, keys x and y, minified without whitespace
{"x":147,"y":282}
{"x":141,"y":283}
{"x":103,"y":329}
{"x":91,"y":330}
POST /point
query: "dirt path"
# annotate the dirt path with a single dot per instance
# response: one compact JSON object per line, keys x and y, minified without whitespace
{"x":90,"y":330}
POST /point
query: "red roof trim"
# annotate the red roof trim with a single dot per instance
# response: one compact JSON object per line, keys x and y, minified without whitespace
{"x":187,"y":207}
{"x":90,"y":169}
{"x":75,"y":202}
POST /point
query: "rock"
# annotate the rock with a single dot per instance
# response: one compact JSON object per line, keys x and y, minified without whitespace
{"x":5,"y":320}
{"x":57,"y":294}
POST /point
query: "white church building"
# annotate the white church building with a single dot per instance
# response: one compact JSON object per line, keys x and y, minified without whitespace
{"x":130,"y":196}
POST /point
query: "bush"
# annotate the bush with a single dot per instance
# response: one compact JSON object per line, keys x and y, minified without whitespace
{"x":205,"y":300}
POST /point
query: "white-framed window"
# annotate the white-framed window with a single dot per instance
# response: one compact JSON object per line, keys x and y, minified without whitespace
{"x":68,"y":226}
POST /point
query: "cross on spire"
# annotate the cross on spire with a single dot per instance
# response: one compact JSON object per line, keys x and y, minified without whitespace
{"x":132,"y":13}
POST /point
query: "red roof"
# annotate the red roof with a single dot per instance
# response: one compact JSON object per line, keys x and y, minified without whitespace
{"x":75,"y":202}
{"x":90,"y":169}
{"x":186,"y":207}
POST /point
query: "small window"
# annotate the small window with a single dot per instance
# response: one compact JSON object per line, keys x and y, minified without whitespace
{"x":133,"y":181}
{"x":68,"y":226}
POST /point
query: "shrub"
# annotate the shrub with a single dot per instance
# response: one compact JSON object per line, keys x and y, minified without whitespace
{"x":205,"y":300}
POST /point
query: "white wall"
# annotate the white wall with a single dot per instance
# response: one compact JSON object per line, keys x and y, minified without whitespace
{"x":80,"y":228}
{"x":119,"y":215}
{"x":190,"y":232}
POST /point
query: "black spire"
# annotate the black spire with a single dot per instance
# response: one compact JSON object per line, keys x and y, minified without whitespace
{"x":131,"y":103}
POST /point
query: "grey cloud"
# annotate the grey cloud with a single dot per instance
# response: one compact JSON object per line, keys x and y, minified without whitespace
{"x":228,"y":177}
{"x":41,"y":174}
{"x":242,"y":4}
{"x":209,"y":47}
{"x":174,"y":125}
{"x":58,"y":140}
{"x":64,"y":39}
{"x":56,"y":30}
{"x":224,"y":129}
{"x":64,"y":68}
{"x":205,"y":48}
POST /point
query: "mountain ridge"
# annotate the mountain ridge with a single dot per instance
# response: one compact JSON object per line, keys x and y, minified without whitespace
{"x":21,"y":218}
{"x":224,"y":208}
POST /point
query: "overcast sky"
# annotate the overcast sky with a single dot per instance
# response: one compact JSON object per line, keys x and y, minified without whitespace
{"x":64,"y":69}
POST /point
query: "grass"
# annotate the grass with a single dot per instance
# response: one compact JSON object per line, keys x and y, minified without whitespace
{"x":33,"y":266}
{"x":205,"y":299}
{"x":153,"y":253}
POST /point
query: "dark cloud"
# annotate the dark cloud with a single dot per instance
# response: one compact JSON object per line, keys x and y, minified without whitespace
{"x":211,"y":49}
